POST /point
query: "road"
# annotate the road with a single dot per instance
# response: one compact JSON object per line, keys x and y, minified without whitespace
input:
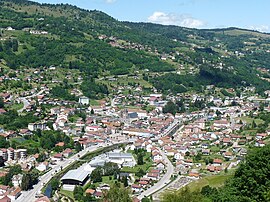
{"x":163,"y":181}
{"x":29,"y":196}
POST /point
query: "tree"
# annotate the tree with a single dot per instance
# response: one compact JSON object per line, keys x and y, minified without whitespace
{"x":207,"y":190}
{"x":140,"y":173}
{"x":26,"y":182}
{"x":183,"y":195}
{"x":78,"y":147}
{"x":92,"y":111}
{"x":78,"y":193}
{"x":2,"y":104}
{"x":117,"y":194}
{"x":170,"y":107}
{"x":140,"y":158}
{"x":145,"y":199}
{"x":3,"y":142}
{"x":253,"y":125}
{"x":55,"y":184}
{"x":125,"y":181}
{"x":2,"y":161}
{"x":15,"y":45}
{"x":96,"y":175}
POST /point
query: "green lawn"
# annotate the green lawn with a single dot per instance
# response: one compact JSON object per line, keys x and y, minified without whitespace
{"x":105,"y":180}
{"x":69,"y":194}
{"x":16,"y":106}
{"x":249,"y":120}
{"x":94,"y":102}
{"x":213,"y":181}
{"x":147,"y":163}
{"x":136,"y":168}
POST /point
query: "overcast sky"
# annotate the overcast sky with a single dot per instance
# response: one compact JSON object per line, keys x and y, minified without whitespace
{"x":250,"y":14}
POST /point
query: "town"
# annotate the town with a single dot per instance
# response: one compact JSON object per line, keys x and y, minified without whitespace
{"x":97,"y":109}
{"x":158,"y":148}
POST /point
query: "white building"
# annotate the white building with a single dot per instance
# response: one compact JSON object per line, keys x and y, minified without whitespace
{"x":84,"y":100}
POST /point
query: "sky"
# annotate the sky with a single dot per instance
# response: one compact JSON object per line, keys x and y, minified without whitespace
{"x":248,"y":14}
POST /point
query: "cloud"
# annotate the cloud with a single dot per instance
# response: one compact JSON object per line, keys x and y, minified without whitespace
{"x":260,"y":28}
{"x":175,"y":19}
{"x":110,"y":1}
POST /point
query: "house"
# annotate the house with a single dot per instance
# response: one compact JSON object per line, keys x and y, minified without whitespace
{"x":136,"y":188}
{"x":195,"y":175}
{"x":221,"y":124}
{"x":156,"y":156}
{"x":36,"y":126}
{"x":5,"y":199}
{"x":2,"y":111}
{"x":57,"y":157}
{"x":17,"y":180}
{"x":160,"y":165}
{"x":261,"y":136}
{"x":42,"y":166}
{"x":178,"y":156}
{"x":228,"y":155}
{"x":90,"y":192}
{"x":153,"y":176}
{"x":67,"y":152}
{"x":84,"y":100}
{"x":98,"y":194}
{"x":259,"y":143}
{"x":206,"y":152}
{"x":60,"y":144}
{"x":143,"y":183}
{"x":43,"y":199}
{"x":217,"y":162}
{"x":212,"y":168}
{"x":14,"y":193}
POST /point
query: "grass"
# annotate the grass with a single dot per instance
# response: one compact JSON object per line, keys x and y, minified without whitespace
{"x":94,"y":102}
{"x":16,"y":106}
{"x":127,"y":79}
{"x":145,"y":167}
{"x":68,"y":194}
{"x":136,"y":168}
{"x":212,"y":181}
{"x":249,"y":120}
{"x":214,"y":149}
{"x":105,"y":180}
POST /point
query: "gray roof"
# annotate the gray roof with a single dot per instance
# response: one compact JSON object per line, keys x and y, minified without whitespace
{"x":97,"y":162}
{"x":79,"y":175}
{"x":119,"y":155}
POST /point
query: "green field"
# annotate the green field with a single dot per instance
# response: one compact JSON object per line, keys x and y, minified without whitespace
{"x":68,"y":194}
{"x":213,"y":181}
{"x":249,"y":120}
{"x":145,"y":167}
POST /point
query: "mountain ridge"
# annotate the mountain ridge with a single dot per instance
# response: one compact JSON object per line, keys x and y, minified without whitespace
{"x":97,"y":44}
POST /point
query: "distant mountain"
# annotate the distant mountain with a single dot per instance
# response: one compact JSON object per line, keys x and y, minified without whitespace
{"x":98,"y":45}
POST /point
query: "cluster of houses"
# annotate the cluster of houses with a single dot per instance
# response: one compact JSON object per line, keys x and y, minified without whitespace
{"x":8,"y":194}
{"x":11,"y":154}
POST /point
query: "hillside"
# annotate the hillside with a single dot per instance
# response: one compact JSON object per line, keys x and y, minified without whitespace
{"x":37,"y":35}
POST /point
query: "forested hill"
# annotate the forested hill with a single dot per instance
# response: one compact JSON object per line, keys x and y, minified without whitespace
{"x":35,"y":35}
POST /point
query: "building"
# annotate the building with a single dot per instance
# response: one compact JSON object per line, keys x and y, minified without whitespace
{"x":124,"y":159}
{"x":84,"y":100}
{"x":42,"y":166}
{"x":17,"y":180}
{"x":36,"y":126}
{"x":75,"y":177}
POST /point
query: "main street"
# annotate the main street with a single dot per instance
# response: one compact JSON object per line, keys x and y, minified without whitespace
{"x":163,"y":181}
{"x":29,"y":196}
